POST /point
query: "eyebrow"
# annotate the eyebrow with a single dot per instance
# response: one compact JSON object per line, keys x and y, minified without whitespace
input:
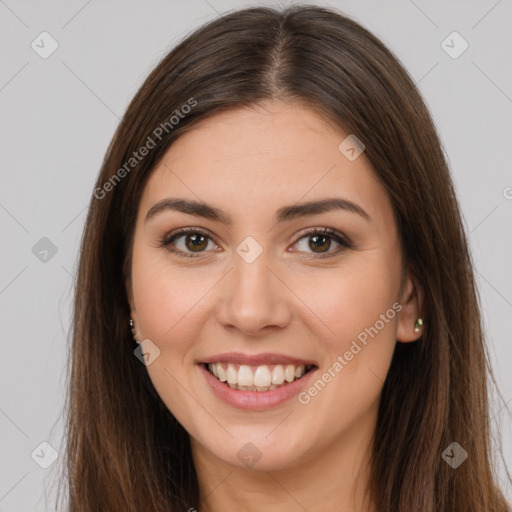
{"x":286,"y":213}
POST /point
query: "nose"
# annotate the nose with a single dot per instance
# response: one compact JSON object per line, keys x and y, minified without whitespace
{"x":253,"y":298}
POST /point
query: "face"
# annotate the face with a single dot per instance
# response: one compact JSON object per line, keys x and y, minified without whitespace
{"x":295,"y":307}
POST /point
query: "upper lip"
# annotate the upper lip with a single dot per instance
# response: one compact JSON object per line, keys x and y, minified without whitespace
{"x":256,"y":359}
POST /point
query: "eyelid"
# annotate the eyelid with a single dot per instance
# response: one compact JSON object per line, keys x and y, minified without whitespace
{"x":323,"y":230}
{"x":182,"y":231}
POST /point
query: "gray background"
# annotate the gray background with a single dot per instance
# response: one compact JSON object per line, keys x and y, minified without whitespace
{"x":59,"y":114}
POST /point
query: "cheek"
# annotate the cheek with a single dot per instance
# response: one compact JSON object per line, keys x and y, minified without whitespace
{"x":162,"y":300}
{"x":346,"y":302}
{"x":168,"y":303}
{"x":354,"y":311}
{"x":174,"y":306}
{"x":358,"y":342}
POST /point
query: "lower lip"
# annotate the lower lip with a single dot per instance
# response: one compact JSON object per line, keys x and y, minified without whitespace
{"x":255,"y":400}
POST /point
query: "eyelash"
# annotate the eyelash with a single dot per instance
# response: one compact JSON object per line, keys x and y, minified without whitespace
{"x":331,"y":233}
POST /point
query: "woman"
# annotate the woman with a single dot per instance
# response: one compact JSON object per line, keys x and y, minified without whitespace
{"x":275,"y":305}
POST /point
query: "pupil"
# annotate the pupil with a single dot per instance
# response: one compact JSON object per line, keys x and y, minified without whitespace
{"x":316,"y":238}
{"x":196,"y":242}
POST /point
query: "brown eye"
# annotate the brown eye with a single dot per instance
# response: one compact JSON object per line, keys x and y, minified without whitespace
{"x":196,"y":242}
{"x":320,"y":241}
{"x":187,"y":241}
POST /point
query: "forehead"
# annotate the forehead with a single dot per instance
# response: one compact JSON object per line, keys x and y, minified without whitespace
{"x":257,"y":159}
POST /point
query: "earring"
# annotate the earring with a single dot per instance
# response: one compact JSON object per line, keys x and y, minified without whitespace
{"x":418,"y":324}
{"x":132,"y":328}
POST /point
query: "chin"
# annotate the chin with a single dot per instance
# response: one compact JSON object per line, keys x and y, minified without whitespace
{"x":258,"y":453}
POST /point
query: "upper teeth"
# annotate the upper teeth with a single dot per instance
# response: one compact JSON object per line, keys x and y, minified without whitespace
{"x":259,"y":376}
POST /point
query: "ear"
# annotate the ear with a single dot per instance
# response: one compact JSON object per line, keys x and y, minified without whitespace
{"x":411,"y":299}
{"x":129,"y":292}
{"x":131,"y":302}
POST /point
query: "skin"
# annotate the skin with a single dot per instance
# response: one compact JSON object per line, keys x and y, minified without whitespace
{"x":248,"y":163}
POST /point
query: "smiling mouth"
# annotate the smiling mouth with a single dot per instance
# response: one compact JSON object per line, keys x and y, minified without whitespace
{"x":257,"y":378}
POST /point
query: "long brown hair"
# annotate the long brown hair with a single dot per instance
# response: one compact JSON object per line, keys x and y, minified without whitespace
{"x":125,"y":450}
